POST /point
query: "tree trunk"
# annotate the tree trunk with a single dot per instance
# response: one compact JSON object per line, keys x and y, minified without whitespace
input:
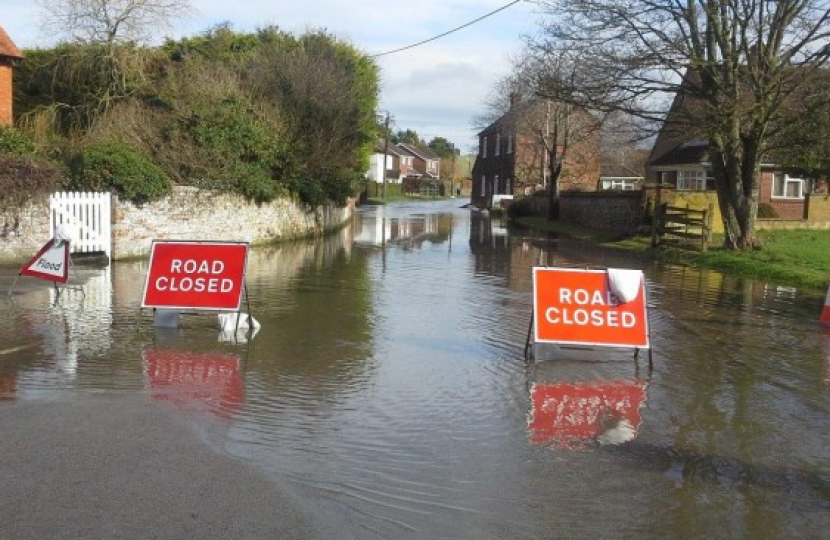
{"x":736,"y":181}
{"x":553,"y":189}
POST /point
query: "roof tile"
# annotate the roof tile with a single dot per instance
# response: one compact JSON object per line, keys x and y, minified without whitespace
{"x":7,"y":46}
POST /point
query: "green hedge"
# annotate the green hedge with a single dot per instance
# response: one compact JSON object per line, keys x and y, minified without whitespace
{"x":119,"y":169}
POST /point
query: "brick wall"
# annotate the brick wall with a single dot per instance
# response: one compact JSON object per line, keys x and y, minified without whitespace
{"x":187,"y":214}
{"x":24,"y":230}
{"x":5,"y":92}
{"x":621,"y":211}
{"x":193,"y":214}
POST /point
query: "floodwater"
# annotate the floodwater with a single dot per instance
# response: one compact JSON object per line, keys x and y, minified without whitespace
{"x":388,"y":386}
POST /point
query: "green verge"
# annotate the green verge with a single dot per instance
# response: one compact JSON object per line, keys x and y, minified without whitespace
{"x":799,"y":258}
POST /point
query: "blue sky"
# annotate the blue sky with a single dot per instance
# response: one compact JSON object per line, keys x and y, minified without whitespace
{"x":435,"y":89}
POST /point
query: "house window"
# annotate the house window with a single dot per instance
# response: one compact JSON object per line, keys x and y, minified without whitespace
{"x":498,"y":144}
{"x":510,"y":144}
{"x":483,"y":186}
{"x":496,"y":184}
{"x":484,"y":146}
{"x":695,"y":180}
{"x":620,"y":184}
{"x":785,"y":187}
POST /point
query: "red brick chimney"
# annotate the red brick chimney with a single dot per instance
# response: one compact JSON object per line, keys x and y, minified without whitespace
{"x":9,"y":53}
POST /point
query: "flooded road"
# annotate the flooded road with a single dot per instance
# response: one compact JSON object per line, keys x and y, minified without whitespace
{"x":388,"y":389}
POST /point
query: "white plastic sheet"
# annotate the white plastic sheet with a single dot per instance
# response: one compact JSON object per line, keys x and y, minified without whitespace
{"x":230,"y":322}
{"x":625,"y":284}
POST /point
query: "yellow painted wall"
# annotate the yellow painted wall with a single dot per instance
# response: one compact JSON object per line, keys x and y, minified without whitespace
{"x":819,"y":207}
{"x":698,"y":200}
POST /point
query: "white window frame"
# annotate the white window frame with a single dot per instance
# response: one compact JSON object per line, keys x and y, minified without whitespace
{"x":800,"y":183}
{"x":693,"y":179}
{"x":619,"y":184}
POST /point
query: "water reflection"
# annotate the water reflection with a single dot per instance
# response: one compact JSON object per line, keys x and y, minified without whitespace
{"x":195,"y":381}
{"x":387,"y":386}
{"x":569,"y":415}
{"x":378,"y":227}
{"x":827,"y":348}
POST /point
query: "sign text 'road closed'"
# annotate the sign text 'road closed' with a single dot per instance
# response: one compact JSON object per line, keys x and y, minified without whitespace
{"x":195,"y":275}
{"x":578,"y":307}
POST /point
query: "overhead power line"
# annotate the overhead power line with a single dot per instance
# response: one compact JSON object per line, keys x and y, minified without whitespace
{"x":448,"y":32}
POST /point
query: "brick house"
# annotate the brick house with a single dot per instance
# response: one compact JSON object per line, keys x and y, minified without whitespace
{"x":426,"y":163}
{"x":512,"y":159}
{"x":680,"y":160}
{"x":400,"y":164}
{"x":9,"y":54}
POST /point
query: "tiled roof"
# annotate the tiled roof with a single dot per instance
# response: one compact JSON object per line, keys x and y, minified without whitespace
{"x":614,"y":170}
{"x":690,"y":153}
{"x":390,"y":149}
{"x":7,"y":46}
{"x":424,"y":153}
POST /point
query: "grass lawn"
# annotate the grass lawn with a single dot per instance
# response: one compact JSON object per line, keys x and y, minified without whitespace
{"x":798,"y":258}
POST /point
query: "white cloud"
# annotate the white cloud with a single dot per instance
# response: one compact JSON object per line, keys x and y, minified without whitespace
{"x":435,"y":89}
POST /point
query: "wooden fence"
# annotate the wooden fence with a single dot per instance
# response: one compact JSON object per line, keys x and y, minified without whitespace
{"x":688,"y":225}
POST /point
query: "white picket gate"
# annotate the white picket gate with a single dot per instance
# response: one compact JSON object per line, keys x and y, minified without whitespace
{"x":87,"y":215}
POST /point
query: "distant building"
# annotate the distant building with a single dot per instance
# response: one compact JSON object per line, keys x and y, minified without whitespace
{"x":426,"y":162}
{"x":9,"y":54}
{"x":619,"y":177}
{"x":512,"y":159}
{"x":680,"y":160}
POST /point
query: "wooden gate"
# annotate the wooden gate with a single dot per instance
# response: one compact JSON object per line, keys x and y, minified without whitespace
{"x":87,"y":215}
{"x":687,"y":224}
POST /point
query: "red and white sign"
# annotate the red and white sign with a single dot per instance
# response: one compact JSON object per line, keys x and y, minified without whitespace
{"x":196,"y":275}
{"x":577,"y":307}
{"x":51,"y":262}
{"x":193,"y":380}
{"x":569,"y":414}
{"x":825,"y":311}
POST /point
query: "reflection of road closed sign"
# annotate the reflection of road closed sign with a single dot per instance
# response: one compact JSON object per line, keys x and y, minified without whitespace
{"x":578,"y":307}
{"x":196,"y":275}
{"x":190,"y":379}
{"x":568,"y":413}
{"x":51,"y":262}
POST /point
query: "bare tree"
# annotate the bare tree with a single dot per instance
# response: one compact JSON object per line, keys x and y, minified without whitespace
{"x":738,"y":61}
{"x":110,"y":21}
{"x":554,"y":119}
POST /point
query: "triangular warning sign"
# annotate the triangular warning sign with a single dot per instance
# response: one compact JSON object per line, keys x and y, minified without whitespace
{"x":50,"y":263}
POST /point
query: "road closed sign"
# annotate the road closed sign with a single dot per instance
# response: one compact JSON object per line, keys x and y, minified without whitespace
{"x":196,"y":275}
{"x":580,"y":307}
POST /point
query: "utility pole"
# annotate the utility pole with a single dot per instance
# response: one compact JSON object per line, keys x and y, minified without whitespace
{"x":452,"y":172}
{"x":385,"y":151}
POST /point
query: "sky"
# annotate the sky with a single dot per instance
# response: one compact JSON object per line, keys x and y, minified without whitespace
{"x":436,"y":89}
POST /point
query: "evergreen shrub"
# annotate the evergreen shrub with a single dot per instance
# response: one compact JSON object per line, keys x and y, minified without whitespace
{"x":14,"y":142}
{"x":522,"y":207}
{"x":119,"y":169}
